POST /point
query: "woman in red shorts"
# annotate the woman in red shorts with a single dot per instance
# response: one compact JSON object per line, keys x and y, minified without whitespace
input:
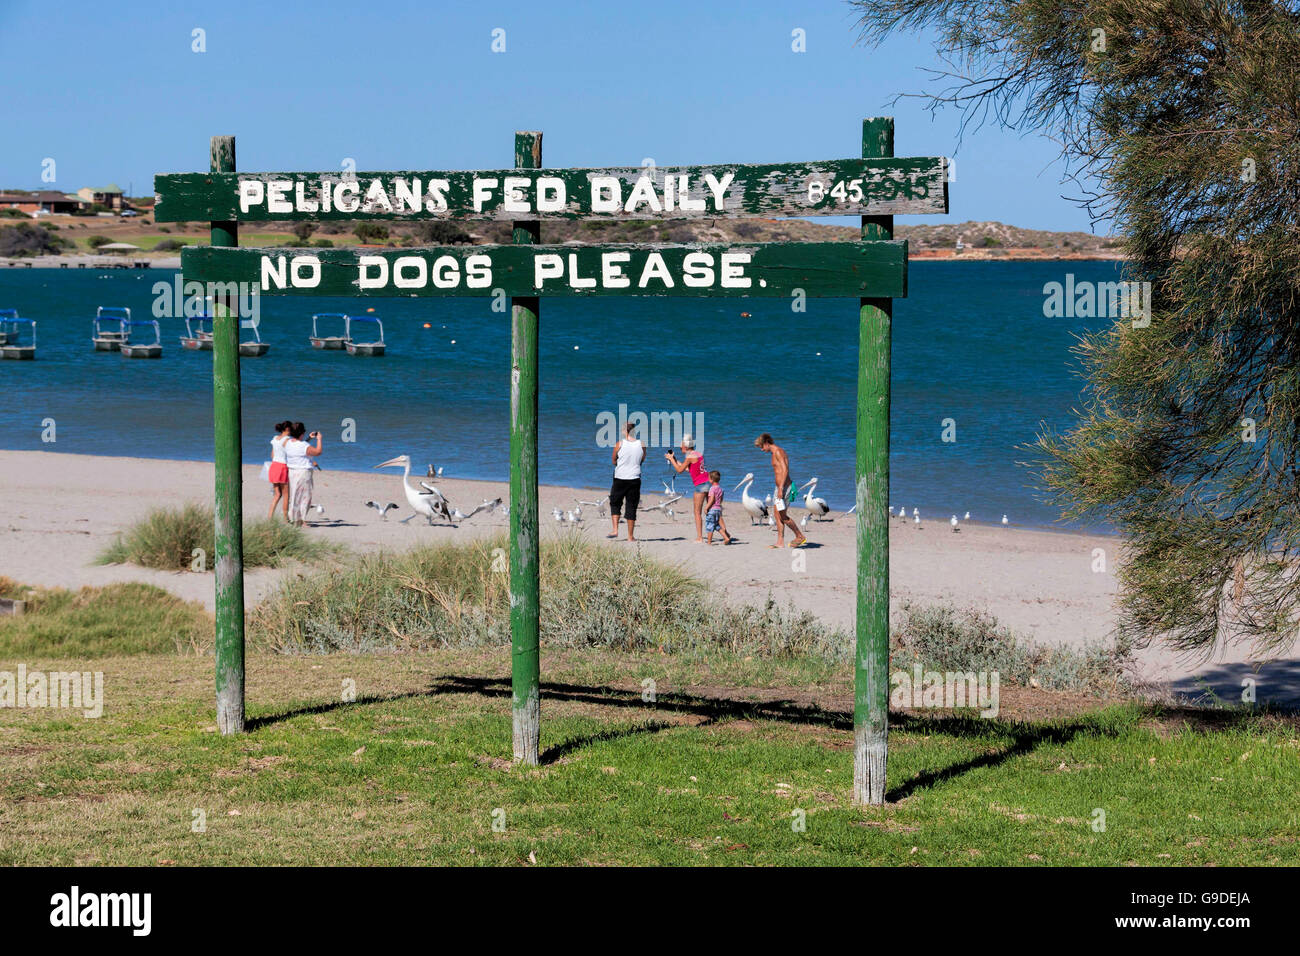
{"x":278,"y":474}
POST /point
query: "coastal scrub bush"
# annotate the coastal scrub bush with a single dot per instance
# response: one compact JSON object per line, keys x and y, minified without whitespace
{"x":166,"y":538}
{"x":27,"y":239}
{"x":96,"y":241}
{"x":8,"y":212}
{"x":124,"y":618}
{"x":944,"y":638}
{"x":370,"y":232}
{"x":168,"y":245}
{"x":457,"y":595}
{"x":440,"y":233}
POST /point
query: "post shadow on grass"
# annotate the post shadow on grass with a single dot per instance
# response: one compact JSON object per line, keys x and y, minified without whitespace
{"x":266,"y":720}
{"x":1023,"y":738}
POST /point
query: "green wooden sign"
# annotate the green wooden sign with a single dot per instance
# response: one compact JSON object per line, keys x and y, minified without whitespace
{"x":876,"y":187}
{"x":845,"y":269}
{"x":857,"y":187}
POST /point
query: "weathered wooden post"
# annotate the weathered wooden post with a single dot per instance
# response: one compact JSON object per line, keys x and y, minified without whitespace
{"x":871,"y":662}
{"x":525,"y":588}
{"x":229,"y":509}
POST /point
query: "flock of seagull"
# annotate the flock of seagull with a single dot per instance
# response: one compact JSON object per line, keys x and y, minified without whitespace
{"x":429,"y":502}
{"x":916,"y":518}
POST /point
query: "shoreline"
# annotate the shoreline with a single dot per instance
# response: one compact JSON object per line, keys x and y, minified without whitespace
{"x":62,"y":510}
{"x":596,"y":489}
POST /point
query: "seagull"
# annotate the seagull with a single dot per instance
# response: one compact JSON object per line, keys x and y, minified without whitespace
{"x":665,"y":506}
{"x":967,"y":518}
{"x":669,"y":489}
{"x":915,"y":513}
{"x":851,"y":510}
{"x":382,"y":509}
{"x":557,"y":514}
{"x":600,"y":506}
{"x":953,"y":522}
{"x":485,"y":506}
{"x":891,"y":511}
{"x":917,"y":519}
{"x":319,"y":509}
{"x":816,"y":506}
{"x":1004,"y":520}
{"x":432,"y":472}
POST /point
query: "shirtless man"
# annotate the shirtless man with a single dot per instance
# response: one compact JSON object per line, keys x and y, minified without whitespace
{"x":781,"y":469}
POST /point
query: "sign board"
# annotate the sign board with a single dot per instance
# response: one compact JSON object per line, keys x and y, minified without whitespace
{"x":845,"y":269}
{"x":856,"y":187}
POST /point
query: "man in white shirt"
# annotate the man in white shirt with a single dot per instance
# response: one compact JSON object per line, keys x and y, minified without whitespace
{"x":625,"y":492}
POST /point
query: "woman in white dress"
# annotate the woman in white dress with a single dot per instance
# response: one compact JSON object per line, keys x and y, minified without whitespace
{"x":298,"y":455}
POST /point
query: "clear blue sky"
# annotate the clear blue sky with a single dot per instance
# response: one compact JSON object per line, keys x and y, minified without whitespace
{"x":114,"y":93}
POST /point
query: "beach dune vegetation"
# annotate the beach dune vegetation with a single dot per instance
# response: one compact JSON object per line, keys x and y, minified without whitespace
{"x":181,"y":539}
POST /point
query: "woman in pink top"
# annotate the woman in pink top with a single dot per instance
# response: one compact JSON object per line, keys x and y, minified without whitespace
{"x":694,"y":461}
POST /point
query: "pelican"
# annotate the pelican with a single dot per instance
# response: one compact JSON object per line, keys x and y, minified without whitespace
{"x":382,"y":509}
{"x":757,"y":509}
{"x":429,"y":503}
{"x":817,"y":507}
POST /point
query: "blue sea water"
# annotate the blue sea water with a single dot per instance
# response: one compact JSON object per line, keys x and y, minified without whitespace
{"x":970,"y":343}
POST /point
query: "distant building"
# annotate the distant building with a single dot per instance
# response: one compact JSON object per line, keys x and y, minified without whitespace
{"x":46,"y":201}
{"x":109,"y":197}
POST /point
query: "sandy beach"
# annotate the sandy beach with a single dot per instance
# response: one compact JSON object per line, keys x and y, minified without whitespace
{"x":59,"y":511}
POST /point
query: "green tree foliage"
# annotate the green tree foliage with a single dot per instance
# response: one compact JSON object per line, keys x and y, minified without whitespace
{"x":1187,"y":117}
{"x":303,"y":231}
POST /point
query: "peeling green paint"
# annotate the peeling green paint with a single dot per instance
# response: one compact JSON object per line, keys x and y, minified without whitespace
{"x":871,"y":678}
{"x":824,"y":188}
{"x":774,"y":269}
{"x":525,"y":562}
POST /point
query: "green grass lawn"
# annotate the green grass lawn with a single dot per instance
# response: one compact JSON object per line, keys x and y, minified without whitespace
{"x":715,"y":771}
